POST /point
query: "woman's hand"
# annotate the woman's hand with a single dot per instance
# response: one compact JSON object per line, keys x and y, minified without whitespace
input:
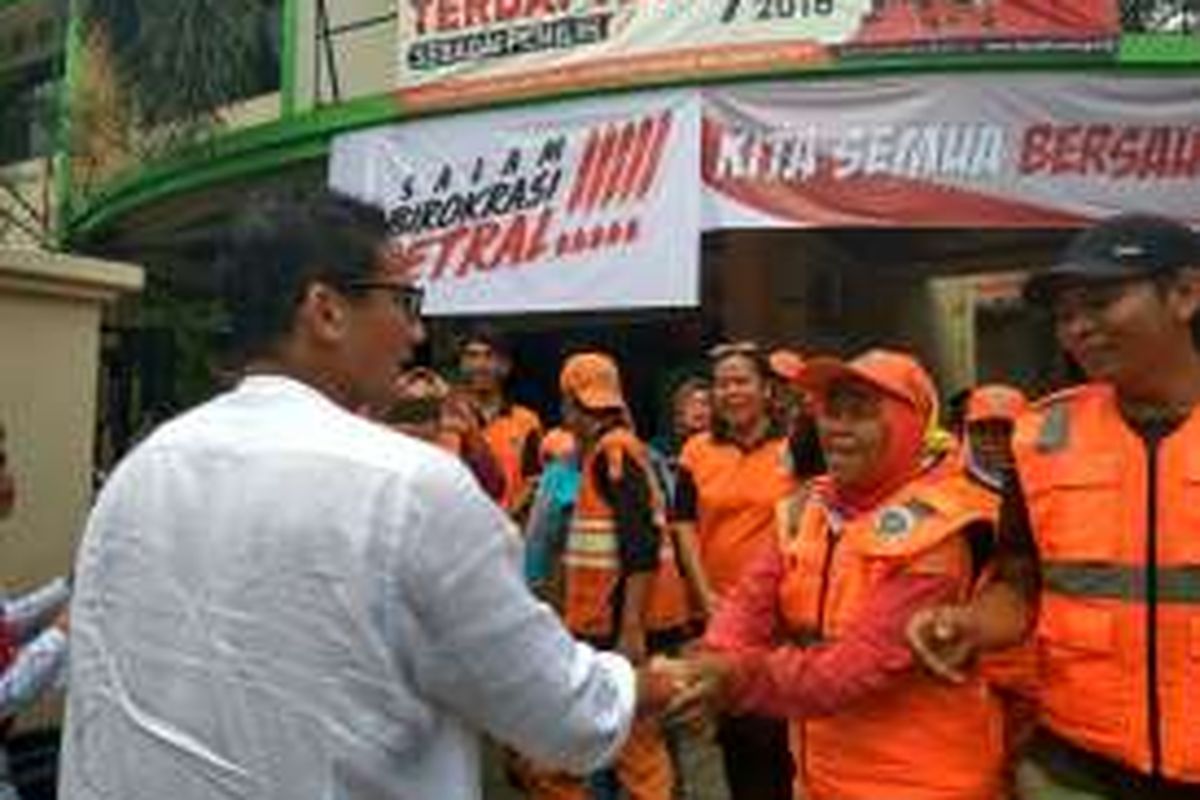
{"x":702,"y":686}
{"x":945,"y":639}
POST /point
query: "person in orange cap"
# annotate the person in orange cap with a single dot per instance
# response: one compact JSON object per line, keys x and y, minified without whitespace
{"x":991,"y":412}
{"x":622,"y":589}
{"x":815,"y":630}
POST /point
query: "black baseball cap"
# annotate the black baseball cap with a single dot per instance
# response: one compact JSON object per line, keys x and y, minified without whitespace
{"x":1123,"y":247}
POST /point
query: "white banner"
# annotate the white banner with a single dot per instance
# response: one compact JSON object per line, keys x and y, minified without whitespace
{"x":1036,"y":151}
{"x":474,"y":52}
{"x":585,"y":205}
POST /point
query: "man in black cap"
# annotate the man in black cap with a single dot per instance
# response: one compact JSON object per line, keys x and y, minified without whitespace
{"x":1099,"y":555}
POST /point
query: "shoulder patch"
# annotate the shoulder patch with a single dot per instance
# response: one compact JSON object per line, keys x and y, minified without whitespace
{"x":896,"y":523}
{"x":1054,"y":432}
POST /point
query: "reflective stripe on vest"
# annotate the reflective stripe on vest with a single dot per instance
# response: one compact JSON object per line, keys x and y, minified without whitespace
{"x":592,"y":544}
{"x":1121,"y":582}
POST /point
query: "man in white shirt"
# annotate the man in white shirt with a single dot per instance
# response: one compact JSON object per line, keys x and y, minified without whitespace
{"x":279,"y":600}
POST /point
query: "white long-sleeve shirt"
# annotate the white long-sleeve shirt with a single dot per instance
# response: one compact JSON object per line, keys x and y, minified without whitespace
{"x":277,"y":599}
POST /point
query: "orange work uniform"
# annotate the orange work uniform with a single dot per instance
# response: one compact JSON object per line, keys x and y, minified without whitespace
{"x":593,"y":582}
{"x":1117,"y":528}
{"x":508,"y":436}
{"x":736,"y":494}
{"x":921,"y":738}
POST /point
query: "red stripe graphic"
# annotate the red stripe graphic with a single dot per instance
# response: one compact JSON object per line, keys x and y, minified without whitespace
{"x":587,"y":164}
{"x":641,"y":150}
{"x":600,"y":168}
{"x":618,"y":167}
{"x":661,"y":132}
{"x":619,"y":163}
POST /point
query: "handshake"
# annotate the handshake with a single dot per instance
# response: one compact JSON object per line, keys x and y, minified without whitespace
{"x":683,"y":690}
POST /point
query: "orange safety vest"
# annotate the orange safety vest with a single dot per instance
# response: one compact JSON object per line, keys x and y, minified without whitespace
{"x":506,"y":436}
{"x":591,"y":559}
{"x":921,"y":738}
{"x":1108,"y":524}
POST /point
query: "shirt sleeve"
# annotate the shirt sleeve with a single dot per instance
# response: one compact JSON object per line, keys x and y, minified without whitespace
{"x":498,"y":658}
{"x":28,"y":614}
{"x":793,"y":681}
{"x":686,"y":503}
{"x":38,"y":666}
{"x":629,"y":495}
{"x":748,"y":617}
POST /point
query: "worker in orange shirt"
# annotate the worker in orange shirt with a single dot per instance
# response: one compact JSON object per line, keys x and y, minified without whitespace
{"x":815,"y":630}
{"x":730,"y":480}
{"x":512,"y":431}
{"x":622,"y":589}
{"x":990,"y":413}
{"x":1099,"y":550}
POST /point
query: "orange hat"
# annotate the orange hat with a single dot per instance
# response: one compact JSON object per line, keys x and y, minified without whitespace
{"x":592,"y":379}
{"x":897,"y":374}
{"x":995,"y":401}
{"x":786,"y":363}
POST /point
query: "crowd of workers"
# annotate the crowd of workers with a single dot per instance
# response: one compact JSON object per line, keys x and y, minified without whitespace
{"x":815,"y":586}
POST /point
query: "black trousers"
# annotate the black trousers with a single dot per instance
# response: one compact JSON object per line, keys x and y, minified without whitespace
{"x":758,"y":762}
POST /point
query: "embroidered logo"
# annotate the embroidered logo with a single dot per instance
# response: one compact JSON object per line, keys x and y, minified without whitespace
{"x":895,"y":522}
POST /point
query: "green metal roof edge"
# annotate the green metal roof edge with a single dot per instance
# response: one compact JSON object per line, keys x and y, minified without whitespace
{"x":1160,"y":49}
{"x":306,"y":136}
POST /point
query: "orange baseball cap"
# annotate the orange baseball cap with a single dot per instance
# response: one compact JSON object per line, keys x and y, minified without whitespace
{"x":786,"y":363}
{"x":593,"y":380}
{"x":995,"y":401}
{"x":897,"y":374}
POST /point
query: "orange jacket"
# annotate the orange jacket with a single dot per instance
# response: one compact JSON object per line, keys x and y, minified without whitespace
{"x":921,"y":739}
{"x":591,"y":559}
{"x":1098,"y":507}
{"x":506,"y":436}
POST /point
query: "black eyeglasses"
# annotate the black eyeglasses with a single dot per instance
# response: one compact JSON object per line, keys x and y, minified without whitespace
{"x":407,"y":298}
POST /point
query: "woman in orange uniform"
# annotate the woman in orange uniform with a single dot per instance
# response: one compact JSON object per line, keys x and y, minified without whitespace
{"x":815,"y":631}
{"x":730,"y":480}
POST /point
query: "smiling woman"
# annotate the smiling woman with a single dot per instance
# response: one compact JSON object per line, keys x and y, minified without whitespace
{"x":814,"y":632}
{"x":730,"y":480}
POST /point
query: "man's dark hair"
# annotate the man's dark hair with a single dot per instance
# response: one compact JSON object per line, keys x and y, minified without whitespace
{"x":280,"y":246}
{"x":483,"y":333}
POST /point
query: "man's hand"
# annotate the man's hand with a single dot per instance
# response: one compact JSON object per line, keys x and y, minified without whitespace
{"x":944,"y":639}
{"x":658,"y":682}
{"x":703,"y":682}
